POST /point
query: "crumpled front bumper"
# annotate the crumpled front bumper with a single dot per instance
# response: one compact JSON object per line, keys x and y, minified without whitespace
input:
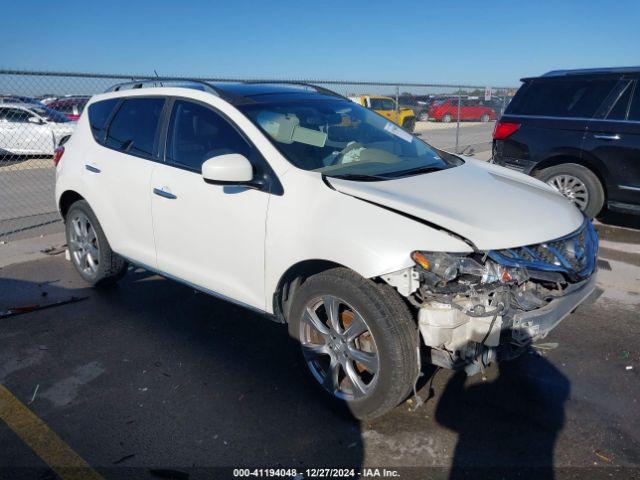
{"x":459,"y":341}
{"x":534,"y":325}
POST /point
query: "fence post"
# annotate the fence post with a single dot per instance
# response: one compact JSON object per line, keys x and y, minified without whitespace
{"x":397,"y":100}
{"x":458,"y":121}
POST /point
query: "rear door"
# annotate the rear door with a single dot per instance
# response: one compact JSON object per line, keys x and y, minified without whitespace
{"x":117,"y":173}
{"x":614,"y":142}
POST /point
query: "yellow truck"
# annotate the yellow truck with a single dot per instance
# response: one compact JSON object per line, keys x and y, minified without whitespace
{"x":386,"y":106}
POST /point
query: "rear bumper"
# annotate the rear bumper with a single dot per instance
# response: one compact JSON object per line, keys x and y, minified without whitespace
{"x":518,"y":164}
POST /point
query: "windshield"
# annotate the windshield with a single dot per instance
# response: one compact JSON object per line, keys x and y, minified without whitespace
{"x":49,"y":114}
{"x":340,"y":138}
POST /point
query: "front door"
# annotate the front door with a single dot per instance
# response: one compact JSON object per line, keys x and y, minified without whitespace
{"x":209,"y":235}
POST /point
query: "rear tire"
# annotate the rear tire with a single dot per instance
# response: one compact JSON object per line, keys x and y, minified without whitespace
{"x":409,"y":124}
{"x":387,"y":345}
{"x":447,"y":118}
{"x":578,"y":184}
{"x":484,"y":118}
{"x":89,"y":249}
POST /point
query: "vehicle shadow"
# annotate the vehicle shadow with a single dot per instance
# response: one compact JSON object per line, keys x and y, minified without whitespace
{"x":186,"y":384}
{"x":617,"y":219}
{"x":508,"y":425}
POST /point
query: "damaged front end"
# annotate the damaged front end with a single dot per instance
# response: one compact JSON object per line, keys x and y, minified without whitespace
{"x":485,"y":306}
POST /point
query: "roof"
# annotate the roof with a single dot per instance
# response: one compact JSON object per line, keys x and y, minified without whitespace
{"x":587,"y":71}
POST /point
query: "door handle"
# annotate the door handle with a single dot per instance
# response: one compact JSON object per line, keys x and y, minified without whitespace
{"x":600,"y":136}
{"x":164,"y":194}
{"x":92,"y":169}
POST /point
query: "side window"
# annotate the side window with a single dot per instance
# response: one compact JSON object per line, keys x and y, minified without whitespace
{"x":564,"y":97}
{"x":619,"y":110}
{"x":99,"y":113}
{"x":376,"y":104}
{"x":634,"y":109}
{"x":133,"y":128}
{"x":197,"y":133}
{"x":388,"y":104}
{"x":15,"y":115}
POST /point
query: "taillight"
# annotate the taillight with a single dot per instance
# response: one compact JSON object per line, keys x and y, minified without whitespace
{"x":504,"y":130}
{"x":57,"y":155}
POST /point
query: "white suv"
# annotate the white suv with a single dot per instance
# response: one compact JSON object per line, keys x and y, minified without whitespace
{"x":296,"y":202}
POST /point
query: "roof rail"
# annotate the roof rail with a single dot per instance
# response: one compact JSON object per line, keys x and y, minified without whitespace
{"x":317,"y":88}
{"x":156,"y":82}
{"x":586,"y":71}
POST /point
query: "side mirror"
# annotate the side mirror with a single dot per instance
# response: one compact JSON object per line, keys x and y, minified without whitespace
{"x":36,"y":120}
{"x":228,"y":169}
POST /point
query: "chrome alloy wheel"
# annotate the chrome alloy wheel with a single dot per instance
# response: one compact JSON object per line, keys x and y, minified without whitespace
{"x":83,"y":244}
{"x":339,"y":348}
{"x":571,"y":187}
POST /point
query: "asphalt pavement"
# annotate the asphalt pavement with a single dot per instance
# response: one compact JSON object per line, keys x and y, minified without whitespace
{"x":149,"y":379}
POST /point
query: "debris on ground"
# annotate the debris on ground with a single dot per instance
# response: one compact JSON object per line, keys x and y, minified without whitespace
{"x":601,"y":456}
{"x":38,"y":306}
{"x":54,"y":250}
{"x":34,"y":394}
{"x":124,"y":459}
{"x":629,"y":367}
{"x":545,"y":346}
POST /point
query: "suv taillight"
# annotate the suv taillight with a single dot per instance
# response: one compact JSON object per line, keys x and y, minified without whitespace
{"x":57,"y":155}
{"x":504,"y":130}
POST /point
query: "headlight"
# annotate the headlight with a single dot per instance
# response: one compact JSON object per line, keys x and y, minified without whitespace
{"x":448,"y":266}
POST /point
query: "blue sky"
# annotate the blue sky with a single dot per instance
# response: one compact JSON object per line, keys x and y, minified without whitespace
{"x":484,"y":43}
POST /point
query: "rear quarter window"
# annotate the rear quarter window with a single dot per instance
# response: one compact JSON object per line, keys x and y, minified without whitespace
{"x":561,"y":97}
{"x":99,"y":114}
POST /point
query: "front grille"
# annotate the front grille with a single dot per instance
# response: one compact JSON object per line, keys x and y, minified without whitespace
{"x":574,"y":254}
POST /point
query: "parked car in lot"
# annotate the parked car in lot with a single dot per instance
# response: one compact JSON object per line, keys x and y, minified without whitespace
{"x":470,"y":109}
{"x":386,"y":107}
{"x":17,"y":99}
{"x":31,"y":129}
{"x":419,"y":108}
{"x":578,"y":131}
{"x":321,"y":214}
{"x":70,"y":106}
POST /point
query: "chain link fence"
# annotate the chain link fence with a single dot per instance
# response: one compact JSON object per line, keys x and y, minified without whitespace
{"x":38,"y":111}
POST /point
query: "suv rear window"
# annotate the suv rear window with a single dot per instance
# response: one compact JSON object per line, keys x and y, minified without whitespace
{"x":133,"y":129}
{"x":562,"y":97}
{"x":99,"y":113}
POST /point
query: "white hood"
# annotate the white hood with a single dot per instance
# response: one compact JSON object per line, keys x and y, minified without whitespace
{"x":491,"y":206}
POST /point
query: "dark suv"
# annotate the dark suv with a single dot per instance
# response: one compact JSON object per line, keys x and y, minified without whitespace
{"x":579,"y":131}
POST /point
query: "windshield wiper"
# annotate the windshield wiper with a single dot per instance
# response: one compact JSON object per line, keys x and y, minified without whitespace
{"x":358,"y":177}
{"x":414,"y":171}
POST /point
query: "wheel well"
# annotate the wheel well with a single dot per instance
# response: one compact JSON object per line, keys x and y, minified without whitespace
{"x":291,"y":281}
{"x":67,"y":199}
{"x":561,"y":159}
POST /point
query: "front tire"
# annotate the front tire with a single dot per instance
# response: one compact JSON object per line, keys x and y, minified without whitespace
{"x":357,"y":341}
{"x":484,"y":118}
{"x":578,"y":184}
{"x":447,"y":118}
{"x":89,"y":249}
